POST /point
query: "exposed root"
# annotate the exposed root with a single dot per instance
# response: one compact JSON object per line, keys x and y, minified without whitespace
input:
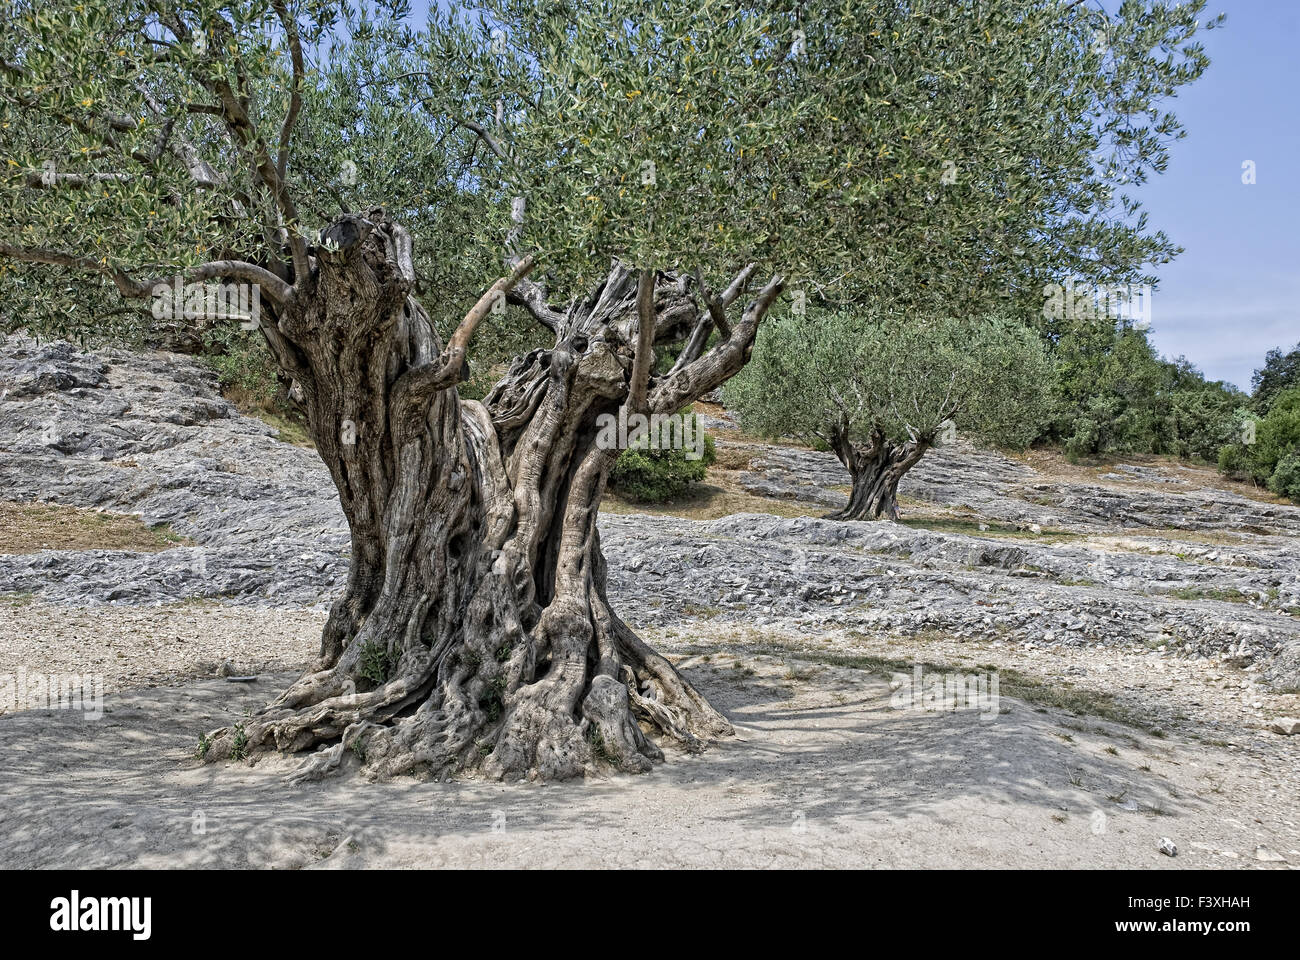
{"x":563,"y":722}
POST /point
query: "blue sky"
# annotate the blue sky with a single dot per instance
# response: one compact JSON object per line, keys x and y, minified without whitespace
{"x":1235,"y":291}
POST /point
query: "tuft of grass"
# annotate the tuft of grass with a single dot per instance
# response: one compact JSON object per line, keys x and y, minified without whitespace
{"x":205,"y":744}
{"x":288,"y":430}
{"x":31,"y":527}
{"x":239,"y":747}
{"x":600,"y":750}
{"x":376,"y":662}
{"x":493,"y":702}
{"x":699,"y":611}
{"x":1229,"y":595}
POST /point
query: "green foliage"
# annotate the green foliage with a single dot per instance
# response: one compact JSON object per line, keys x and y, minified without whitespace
{"x":1285,"y":481}
{"x":1232,"y":458}
{"x":907,"y":377}
{"x":492,"y":702}
{"x":1280,"y":372}
{"x":113,"y":102}
{"x":890,"y":151}
{"x":1115,"y":395}
{"x":358,"y":748}
{"x":601,"y":752}
{"x":665,"y":472}
{"x":1267,"y":448}
{"x":1202,"y":416}
{"x":242,"y":362}
{"x":251,"y":379}
{"x":375,"y":662}
{"x":910,"y":158}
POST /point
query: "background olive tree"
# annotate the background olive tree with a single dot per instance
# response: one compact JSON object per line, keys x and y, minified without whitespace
{"x":881,"y":391}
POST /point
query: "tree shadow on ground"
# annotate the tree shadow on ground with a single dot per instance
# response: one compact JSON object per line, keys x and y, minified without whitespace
{"x":822,"y":769}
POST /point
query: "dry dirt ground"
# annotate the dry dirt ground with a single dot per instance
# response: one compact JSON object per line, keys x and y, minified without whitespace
{"x":825,"y":769}
{"x":1138,"y":628}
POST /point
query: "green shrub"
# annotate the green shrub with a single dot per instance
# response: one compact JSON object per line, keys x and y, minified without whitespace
{"x":1232,"y":461}
{"x":1116,"y":396}
{"x":376,"y":663}
{"x":657,"y":475}
{"x":1271,"y":457}
{"x":242,"y":362}
{"x":1285,"y":481}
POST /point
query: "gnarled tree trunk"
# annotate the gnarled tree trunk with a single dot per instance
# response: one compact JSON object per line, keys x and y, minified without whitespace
{"x":876,"y":468}
{"x":475,"y":631}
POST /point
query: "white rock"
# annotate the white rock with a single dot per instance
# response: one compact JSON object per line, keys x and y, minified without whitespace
{"x":1168,"y":847}
{"x":1287,"y":726}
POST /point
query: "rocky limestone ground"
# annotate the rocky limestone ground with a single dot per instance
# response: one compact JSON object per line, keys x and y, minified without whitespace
{"x":1145,"y":608}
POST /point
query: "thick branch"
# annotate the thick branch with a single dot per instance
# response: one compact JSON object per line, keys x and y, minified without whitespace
{"x":269,"y":283}
{"x":714,"y":315}
{"x":420,"y":382}
{"x":532,"y":297}
{"x":645,"y":337}
{"x":714,"y":368}
{"x":460,"y":339}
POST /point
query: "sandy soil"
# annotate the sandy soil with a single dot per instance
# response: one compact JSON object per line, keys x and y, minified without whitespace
{"x":823,"y":772}
{"x":132,"y":647}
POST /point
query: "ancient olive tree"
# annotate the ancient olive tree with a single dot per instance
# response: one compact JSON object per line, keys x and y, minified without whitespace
{"x":646,"y":172}
{"x":658,"y":154}
{"x":880,"y":392}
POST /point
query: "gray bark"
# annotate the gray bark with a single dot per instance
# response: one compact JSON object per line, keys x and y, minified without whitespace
{"x":876,"y":468}
{"x":475,"y":632}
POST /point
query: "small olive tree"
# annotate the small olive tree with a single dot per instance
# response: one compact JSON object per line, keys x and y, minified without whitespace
{"x":881,"y":392}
